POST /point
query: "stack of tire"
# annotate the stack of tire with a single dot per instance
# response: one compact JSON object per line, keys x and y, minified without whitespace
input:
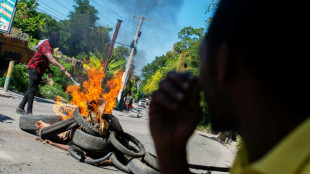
{"x":88,"y":146}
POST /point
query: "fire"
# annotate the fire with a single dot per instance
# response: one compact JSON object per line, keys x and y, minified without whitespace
{"x":115,"y":86}
{"x":60,"y":109}
{"x":91,"y":92}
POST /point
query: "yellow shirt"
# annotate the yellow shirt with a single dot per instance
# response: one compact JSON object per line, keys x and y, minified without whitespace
{"x":290,"y":156}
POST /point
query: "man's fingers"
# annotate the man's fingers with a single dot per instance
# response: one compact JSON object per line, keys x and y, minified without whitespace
{"x":182,"y":80}
{"x":161,"y":99}
{"x":170,"y":89}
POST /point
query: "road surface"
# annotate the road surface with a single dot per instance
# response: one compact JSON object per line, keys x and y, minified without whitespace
{"x":20,"y":153}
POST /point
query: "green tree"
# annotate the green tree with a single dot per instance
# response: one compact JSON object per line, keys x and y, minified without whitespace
{"x":120,"y":53}
{"x":210,"y":8}
{"x":50,"y":25}
{"x":27,"y":19}
{"x":189,"y":36}
{"x":150,"y":69}
{"x":80,"y":33}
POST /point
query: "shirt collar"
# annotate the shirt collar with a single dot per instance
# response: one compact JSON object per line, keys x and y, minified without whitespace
{"x":289,"y":155}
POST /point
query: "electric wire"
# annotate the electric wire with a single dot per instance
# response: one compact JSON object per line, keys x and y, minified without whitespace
{"x":52,"y":8}
{"x":43,"y":11}
{"x":62,"y":5}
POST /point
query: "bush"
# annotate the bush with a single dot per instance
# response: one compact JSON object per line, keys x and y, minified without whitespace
{"x":19,"y":79}
{"x":60,"y":83}
{"x":50,"y":92}
{"x":60,"y":78}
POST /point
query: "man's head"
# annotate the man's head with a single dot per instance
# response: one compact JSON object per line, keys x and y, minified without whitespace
{"x":53,"y":39}
{"x":259,"y":40}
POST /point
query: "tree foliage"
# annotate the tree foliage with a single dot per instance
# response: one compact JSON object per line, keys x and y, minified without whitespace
{"x":79,"y":33}
{"x":27,"y":19}
{"x":185,"y":58}
{"x":188,"y":37}
{"x":210,"y":8}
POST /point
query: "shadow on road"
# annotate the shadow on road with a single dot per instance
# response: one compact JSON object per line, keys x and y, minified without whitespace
{"x":209,"y":137}
{"x":5,"y":119}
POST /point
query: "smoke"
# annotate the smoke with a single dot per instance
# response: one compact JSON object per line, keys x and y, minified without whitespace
{"x":156,"y":38}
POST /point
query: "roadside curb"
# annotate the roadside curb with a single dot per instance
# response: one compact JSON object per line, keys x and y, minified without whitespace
{"x":14,"y":94}
{"x":231,"y":146}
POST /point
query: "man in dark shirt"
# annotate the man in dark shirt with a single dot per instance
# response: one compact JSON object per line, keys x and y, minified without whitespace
{"x":36,"y":68}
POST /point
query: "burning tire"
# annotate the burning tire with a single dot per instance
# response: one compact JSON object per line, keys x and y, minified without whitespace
{"x":56,"y":128}
{"x":28,"y":123}
{"x":90,"y":142}
{"x":86,"y":126}
{"x":151,"y":160}
{"x":115,"y":140}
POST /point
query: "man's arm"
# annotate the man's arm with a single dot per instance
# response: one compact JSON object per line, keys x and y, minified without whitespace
{"x":53,"y":61}
{"x":174,"y":115}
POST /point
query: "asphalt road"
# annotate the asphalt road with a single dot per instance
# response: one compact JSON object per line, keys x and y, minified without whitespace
{"x":20,"y":153}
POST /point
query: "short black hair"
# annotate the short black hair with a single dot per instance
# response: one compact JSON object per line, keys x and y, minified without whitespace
{"x":268,"y":35}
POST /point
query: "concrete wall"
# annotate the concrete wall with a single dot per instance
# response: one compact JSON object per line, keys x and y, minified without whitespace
{"x":12,"y":48}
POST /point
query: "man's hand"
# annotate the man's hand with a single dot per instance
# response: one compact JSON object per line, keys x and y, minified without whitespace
{"x":174,"y":115}
{"x":67,"y":74}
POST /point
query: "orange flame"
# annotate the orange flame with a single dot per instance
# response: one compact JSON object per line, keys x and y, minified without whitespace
{"x":115,"y":86}
{"x":92,"y":91}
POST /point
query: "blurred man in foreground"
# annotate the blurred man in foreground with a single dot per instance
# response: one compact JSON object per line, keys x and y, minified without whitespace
{"x":254,"y":75}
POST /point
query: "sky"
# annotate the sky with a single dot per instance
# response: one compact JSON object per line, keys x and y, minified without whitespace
{"x":167,"y":18}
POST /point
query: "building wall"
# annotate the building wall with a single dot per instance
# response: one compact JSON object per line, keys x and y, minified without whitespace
{"x":14,"y":49}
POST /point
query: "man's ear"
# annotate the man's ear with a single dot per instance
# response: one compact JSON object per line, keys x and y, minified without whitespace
{"x":225,"y":64}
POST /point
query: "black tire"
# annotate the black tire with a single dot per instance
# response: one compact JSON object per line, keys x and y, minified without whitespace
{"x":86,"y":126}
{"x":28,"y":123}
{"x":137,"y":167}
{"x":119,"y":165}
{"x":114,"y":123}
{"x":151,"y":160}
{"x":56,"y":128}
{"x":74,"y":153}
{"x":90,"y":142}
{"x":119,"y":146}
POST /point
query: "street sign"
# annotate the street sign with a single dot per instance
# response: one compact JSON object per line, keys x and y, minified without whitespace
{"x":7,"y":12}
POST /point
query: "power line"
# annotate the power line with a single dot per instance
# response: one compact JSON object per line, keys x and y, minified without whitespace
{"x":43,"y":11}
{"x":139,"y":7}
{"x":109,"y":12}
{"x":62,"y":5}
{"x":47,"y":12}
{"x":102,"y":14}
{"x":119,"y":43}
{"x":53,"y":9}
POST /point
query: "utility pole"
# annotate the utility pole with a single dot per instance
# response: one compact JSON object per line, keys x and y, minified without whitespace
{"x":8,"y":76}
{"x":129,"y":62}
{"x":107,"y":59}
